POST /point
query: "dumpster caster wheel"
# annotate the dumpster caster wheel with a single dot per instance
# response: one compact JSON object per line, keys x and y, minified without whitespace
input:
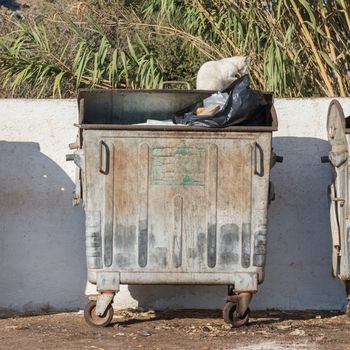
{"x":231,"y":317}
{"x":94,"y":320}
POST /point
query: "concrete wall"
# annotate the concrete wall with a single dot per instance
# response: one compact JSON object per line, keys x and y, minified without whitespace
{"x":42,"y":261}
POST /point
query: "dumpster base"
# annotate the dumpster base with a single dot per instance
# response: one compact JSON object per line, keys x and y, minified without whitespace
{"x":99,"y":311}
{"x":241,"y":287}
{"x":109,"y":280}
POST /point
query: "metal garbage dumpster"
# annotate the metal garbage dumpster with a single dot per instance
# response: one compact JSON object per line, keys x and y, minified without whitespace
{"x":338,"y":193}
{"x":170,"y":204}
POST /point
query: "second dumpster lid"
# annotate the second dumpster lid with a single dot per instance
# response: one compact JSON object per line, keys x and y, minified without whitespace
{"x":336,"y":129}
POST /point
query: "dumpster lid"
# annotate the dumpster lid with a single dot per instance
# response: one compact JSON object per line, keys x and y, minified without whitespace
{"x":123,"y":109}
{"x":336,"y":124}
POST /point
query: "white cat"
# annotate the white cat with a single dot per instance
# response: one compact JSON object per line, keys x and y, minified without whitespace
{"x":215,"y":75}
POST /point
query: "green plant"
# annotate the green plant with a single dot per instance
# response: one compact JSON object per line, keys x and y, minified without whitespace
{"x":297,"y":47}
{"x":30,"y":63}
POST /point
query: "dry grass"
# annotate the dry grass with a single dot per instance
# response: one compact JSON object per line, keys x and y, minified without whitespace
{"x":297,"y":47}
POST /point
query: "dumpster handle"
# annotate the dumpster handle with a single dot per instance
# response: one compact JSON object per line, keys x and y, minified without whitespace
{"x":325,"y":159}
{"x":259,"y":158}
{"x":338,"y":199}
{"x":103,"y":145}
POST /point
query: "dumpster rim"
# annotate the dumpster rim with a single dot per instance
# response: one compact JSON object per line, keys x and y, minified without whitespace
{"x":237,"y":128}
{"x":176,"y":128}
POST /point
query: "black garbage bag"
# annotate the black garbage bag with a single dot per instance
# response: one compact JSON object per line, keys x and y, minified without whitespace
{"x":244,"y":106}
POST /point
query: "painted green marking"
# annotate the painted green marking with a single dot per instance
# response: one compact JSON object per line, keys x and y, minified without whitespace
{"x":183,"y":150}
{"x":178,"y":166}
{"x":188,"y":181}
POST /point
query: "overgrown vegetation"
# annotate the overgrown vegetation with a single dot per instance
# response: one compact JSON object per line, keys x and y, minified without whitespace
{"x":297,"y":47}
{"x":70,"y":49}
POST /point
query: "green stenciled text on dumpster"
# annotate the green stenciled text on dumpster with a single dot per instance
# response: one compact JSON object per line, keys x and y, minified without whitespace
{"x":181,"y":165}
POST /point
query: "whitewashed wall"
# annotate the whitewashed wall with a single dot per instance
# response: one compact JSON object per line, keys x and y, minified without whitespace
{"x":42,"y":262}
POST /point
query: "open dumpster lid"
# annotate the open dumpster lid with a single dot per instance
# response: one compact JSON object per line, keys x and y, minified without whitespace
{"x":124,"y":108}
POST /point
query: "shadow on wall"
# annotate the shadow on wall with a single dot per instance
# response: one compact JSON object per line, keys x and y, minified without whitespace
{"x":12,"y":5}
{"x":299,"y":242}
{"x":42,"y":251}
{"x":298,"y":271}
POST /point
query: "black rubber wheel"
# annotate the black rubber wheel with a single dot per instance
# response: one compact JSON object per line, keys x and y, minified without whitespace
{"x":230,"y":316}
{"x":94,"y":320}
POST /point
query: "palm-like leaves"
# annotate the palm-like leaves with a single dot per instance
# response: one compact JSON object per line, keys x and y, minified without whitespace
{"x":297,"y":47}
{"x":28,"y":59}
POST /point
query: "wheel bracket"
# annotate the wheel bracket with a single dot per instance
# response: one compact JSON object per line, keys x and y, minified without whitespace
{"x":103,"y":300}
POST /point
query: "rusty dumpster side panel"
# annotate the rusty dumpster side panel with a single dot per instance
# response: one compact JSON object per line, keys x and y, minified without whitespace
{"x":338,"y":192}
{"x":338,"y":129}
{"x":177,"y":207}
{"x":170,"y":204}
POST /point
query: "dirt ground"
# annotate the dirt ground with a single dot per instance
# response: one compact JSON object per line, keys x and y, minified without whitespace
{"x":180,"y":329}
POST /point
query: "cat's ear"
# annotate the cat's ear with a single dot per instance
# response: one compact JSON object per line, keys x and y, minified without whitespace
{"x":246,"y":60}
